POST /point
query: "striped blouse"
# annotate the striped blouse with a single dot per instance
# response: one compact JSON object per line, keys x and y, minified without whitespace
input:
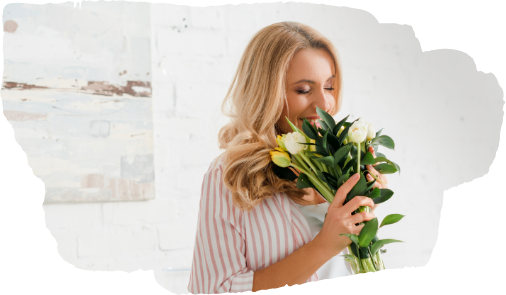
{"x":231,"y":244}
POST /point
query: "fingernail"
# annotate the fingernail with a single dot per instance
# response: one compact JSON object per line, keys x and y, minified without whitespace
{"x":356,"y":176}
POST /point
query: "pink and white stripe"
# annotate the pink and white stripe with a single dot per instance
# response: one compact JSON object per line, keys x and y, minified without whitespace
{"x":231,"y":244}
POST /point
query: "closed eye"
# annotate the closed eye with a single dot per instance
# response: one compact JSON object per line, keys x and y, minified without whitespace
{"x":304,"y":92}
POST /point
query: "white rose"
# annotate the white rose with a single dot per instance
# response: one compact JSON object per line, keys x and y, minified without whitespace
{"x":358,"y":131}
{"x":292,"y":142}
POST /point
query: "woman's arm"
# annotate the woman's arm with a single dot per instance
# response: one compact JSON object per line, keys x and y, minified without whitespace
{"x":296,"y":268}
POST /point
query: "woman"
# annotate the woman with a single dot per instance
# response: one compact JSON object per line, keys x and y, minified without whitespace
{"x":253,"y":232}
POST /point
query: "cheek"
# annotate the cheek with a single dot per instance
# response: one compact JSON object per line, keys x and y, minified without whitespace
{"x":296,"y":105}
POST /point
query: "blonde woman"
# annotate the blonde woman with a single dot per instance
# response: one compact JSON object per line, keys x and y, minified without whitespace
{"x":254,"y":230}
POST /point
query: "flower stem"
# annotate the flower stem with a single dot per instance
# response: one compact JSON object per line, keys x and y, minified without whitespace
{"x":301,"y":162}
{"x":317,"y":164}
{"x":354,"y":265}
{"x":360,"y":266}
{"x":380,"y":260}
{"x":324,"y":167}
{"x":358,"y":157}
{"x":296,"y":161}
{"x":357,"y":268}
{"x":308,"y":161}
{"x":369,"y":264}
{"x":377,"y":179}
{"x":317,"y":183}
{"x":374,"y":260}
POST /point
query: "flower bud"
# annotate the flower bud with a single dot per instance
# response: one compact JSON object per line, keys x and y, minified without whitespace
{"x":280,"y":157}
{"x":370,"y":132}
{"x":281,"y":141}
{"x":340,"y":130}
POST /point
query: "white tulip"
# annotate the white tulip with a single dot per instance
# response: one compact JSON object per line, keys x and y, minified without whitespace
{"x":292,"y":142}
{"x":371,"y":133}
{"x":358,"y":131}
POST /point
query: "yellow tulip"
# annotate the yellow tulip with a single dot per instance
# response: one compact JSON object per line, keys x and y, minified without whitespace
{"x":340,"y":130}
{"x":281,"y":141}
{"x":312,"y":147}
{"x":280,"y":157}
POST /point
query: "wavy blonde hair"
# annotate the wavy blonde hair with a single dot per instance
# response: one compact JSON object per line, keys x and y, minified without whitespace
{"x":255,"y":101}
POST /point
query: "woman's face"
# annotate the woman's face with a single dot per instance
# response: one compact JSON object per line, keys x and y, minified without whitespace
{"x":309,"y":83}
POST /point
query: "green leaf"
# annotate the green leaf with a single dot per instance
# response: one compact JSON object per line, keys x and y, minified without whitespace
{"x":320,"y":150}
{"x":341,"y":153}
{"x":385,"y":141}
{"x":364,"y":252}
{"x":338,"y":170}
{"x":342,"y":179}
{"x":328,"y":160}
{"x":320,"y":175}
{"x":348,"y":256}
{"x":350,"y":164}
{"x":355,"y":190}
{"x":391,"y":219}
{"x":333,"y":141}
{"x":374,"y":193}
{"x":304,"y":182}
{"x":338,"y":125}
{"x":385,"y":168}
{"x":309,"y":129}
{"x":344,"y":134}
{"x":369,"y":186}
{"x":354,"y":151}
{"x":384,"y":159}
{"x":378,"y":155}
{"x":368,"y":159}
{"x":284,"y":173}
{"x":378,"y":244}
{"x":378,"y":133}
{"x":324,"y":142}
{"x":385,"y":194}
{"x":330,"y":178}
{"x":328,"y":147}
{"x":368,"y":232}
{"x":295,"y":129}
{"x":322,"y":124}
{"x":352,"y":237}
{"x":326,"y":118}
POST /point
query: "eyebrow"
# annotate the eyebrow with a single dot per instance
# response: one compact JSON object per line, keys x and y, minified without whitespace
{"x":311,"y":81}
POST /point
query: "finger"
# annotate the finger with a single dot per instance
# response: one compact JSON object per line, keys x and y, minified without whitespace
{"x":344,"y":190}
{"x":371,"y":149}
{"x":372,"y":170}
{"x":370,"y":178}
{"x":358,"y":201}
{"x":356,"y":229}
{"x":361,"y":217}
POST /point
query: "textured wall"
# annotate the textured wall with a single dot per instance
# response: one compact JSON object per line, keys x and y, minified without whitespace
{"x":433,"y":104}
{"x":77,"y":91}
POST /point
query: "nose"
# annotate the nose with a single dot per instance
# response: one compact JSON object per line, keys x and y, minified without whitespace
{"x":321,"y":99}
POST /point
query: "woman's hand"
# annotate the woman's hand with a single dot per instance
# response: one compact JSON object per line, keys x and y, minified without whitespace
{"x":340,"y":221}
{"x":378,"y":175}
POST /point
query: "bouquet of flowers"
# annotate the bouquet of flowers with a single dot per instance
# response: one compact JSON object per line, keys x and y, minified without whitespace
{"x":325,"y":157}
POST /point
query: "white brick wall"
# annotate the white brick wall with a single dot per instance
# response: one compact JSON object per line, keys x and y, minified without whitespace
{"x":387,"y":80}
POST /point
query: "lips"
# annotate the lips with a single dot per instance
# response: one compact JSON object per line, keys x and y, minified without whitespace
{"x":313,"y":122}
